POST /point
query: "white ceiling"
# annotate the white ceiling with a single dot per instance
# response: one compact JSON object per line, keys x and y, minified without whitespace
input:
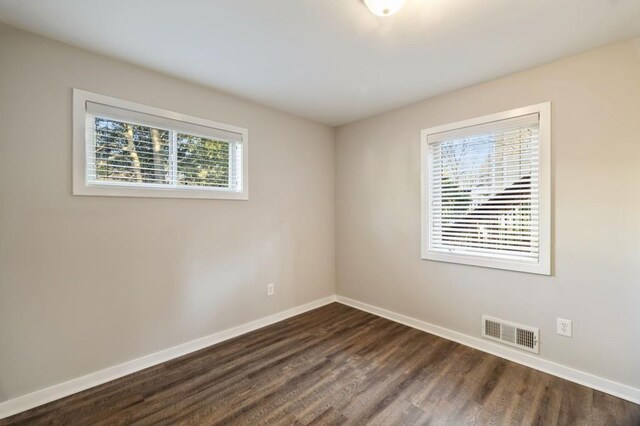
{"x":331,"y":60}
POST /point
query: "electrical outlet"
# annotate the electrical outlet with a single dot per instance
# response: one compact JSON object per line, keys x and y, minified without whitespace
{"x":564,"y":327}
{"x":270,"y":289}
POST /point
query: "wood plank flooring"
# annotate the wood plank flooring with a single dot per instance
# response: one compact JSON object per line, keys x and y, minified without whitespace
{"x":337,"y":365}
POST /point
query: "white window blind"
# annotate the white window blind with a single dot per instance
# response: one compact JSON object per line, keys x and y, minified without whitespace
{"x":484,"y":194}
{"x":134,"y":150}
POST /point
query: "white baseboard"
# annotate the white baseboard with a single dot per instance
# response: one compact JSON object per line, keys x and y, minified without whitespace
{"x":43,"y":396}
{"x":586,"y":379}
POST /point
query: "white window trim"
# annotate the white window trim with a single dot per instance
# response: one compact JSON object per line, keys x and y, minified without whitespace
{"x":543,"y":266}
{"x":80,"y":182}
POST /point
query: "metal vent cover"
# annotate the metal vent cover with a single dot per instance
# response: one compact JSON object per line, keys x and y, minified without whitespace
{"x":512,"y":334}
{"x":492,"y":328}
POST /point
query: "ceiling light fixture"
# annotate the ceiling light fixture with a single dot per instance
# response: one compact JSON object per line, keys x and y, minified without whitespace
{"x":384,"y":7}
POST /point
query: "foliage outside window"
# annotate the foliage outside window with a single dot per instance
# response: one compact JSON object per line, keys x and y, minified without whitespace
{"x":134,"y":150}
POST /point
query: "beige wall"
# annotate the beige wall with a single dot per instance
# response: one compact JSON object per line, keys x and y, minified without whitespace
{"x":89,"y":282}
{"x":596,"y":211}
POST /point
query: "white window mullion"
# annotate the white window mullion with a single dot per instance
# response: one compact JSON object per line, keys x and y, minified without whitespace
{"x":233,"y":172}
{"x":173,"y":158}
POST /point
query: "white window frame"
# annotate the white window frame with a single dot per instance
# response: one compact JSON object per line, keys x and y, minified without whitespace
{"x":543,"y":266}
{"x":82,"y":186}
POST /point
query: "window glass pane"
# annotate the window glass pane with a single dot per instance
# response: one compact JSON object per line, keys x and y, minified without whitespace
{"x":203,"y":161}
{"x":484,"y":187}
{"x":126,"y":152}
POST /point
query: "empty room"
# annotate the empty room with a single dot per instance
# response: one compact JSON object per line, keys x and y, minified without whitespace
{"x":327,"y":212}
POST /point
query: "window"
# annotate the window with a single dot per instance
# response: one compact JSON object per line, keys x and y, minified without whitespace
{"x":486,"y":191}
{"x":126,"y":149}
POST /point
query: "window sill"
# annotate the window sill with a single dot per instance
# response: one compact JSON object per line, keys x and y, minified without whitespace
{"x":511,"y":265}
{"x":111,"y":190}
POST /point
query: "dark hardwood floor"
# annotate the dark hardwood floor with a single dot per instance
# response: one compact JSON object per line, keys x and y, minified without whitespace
{"x":337,"y":365}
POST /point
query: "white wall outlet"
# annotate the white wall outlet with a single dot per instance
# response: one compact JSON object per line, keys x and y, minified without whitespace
{"x":270,"y":289}
{"x":564,"y":327}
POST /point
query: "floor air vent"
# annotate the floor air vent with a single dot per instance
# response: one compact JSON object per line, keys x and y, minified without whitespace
{"x":509,"y":333}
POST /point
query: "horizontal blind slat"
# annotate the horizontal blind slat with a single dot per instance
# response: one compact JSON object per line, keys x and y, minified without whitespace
{"x":94,"y":167}
{"x":147,"y":180}
{"x":133,"y":117}
{"x":489,"y":229}
{"x":496,"y":254}
{"x":485,"y":203}
{"x":439,"y":167}
{"x":485,"y":149}
{"x":490,"y":234}
{"x":520,"y":247}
